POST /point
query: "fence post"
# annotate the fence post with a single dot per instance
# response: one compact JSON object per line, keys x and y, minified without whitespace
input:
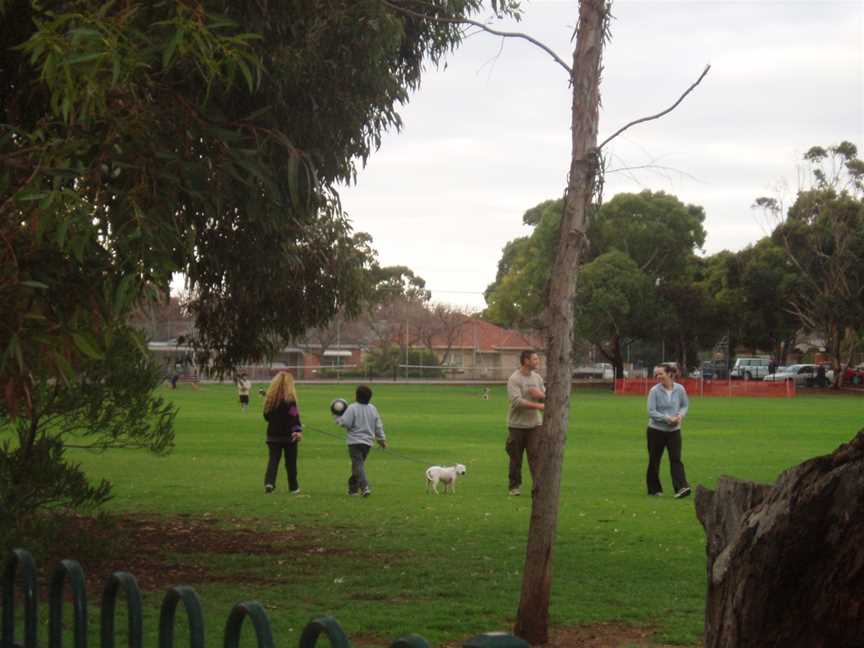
{"x":24,"y":560}
{"x":72,"y":570}
{"x":168,"y":612}
{"x":133,"y":605}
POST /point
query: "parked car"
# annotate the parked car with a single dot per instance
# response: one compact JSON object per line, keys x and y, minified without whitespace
{"x":854,"y":375}
{"x":710,"y":371}
{"x":598,"y":371}
{"x":851,"y":375}
{"x":801,"y":374}
{"x":751,"y":368}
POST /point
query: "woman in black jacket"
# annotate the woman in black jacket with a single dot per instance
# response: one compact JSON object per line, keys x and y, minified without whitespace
{"x":284,"y":430}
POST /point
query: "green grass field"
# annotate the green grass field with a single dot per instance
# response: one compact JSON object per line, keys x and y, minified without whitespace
{"x":448,"y":567}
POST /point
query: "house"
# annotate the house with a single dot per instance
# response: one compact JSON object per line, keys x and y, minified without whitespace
{"x":481,"y":350}
{"x":467,"y":348}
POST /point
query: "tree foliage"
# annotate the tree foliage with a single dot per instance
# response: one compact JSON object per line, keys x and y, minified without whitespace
{"x":638,"y":242}
{"x":140,"y":139}
{"x":517,"y":296}
{"x":615,"y":303}
{"x":110,"y":404}
{"x":823,"y":239}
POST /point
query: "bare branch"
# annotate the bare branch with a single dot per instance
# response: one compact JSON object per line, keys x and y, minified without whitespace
{"x":658,"y":168}
{"x":486,"y":28}
{"x":658,"y":115}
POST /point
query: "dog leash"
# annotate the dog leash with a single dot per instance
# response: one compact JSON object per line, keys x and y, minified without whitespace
{"x":389,"y":450}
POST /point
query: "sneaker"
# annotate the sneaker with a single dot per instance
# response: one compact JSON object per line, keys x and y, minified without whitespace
{"x":268,"y":488}
{"x":515,"y":491}
{"x":296,"y":491}
{"x":657,"y":494}
{"x":353,"y":493}
{"x":684,"y":492}
{"x":366,"y":492}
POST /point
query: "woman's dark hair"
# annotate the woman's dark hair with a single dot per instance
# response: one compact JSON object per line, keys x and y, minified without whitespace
{"x":363,"y":395}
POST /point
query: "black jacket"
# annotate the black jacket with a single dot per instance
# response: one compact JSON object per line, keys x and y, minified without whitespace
{"x":282,"y":421}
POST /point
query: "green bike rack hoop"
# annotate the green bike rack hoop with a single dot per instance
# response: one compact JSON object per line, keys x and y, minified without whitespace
{"x":260,"y":622}
{"x":129,"y":585}
{"x":19,"y":558}
{"x":67,"y":570}
{"x":168,"y":612}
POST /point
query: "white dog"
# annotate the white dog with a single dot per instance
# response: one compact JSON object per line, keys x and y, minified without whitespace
{"x":445,"y":474}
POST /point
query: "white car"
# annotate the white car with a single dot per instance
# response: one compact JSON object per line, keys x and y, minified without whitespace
{"x":802,"y":374}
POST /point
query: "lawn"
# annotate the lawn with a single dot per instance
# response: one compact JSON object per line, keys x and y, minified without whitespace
{"x":449,"y":567}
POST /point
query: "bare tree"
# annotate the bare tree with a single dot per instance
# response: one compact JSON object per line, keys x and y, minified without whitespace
{"x":532,"y":622}
{"x":449,"y":324}
{"x":546,"y":451}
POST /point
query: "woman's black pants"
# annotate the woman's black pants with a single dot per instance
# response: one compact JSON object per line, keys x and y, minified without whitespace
{"x":658,"y":440}
{"x":276,"y":451}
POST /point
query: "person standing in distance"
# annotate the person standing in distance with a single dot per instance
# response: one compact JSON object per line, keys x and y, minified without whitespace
{"x":244,"y":386}
{"x":526,"y":393}
{"x":667,"y":407}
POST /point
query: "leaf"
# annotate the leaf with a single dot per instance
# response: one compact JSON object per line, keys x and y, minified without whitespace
{"x":34,"y":284}
{"x":14,"y":349}
{"x":168,"y":54}
{"x":123,"y":294}
{"x":61,"y":232}
{"x":115,"y":71}
{"x":85,"y":31}
{"x":87,"y":345}
{"x":247,"y":74}
{"x":84,"y":58}
{"x":294,"y":163}
{"x":64,"y":368}
{"x":66,"y":108}
{"x":32,"y":196}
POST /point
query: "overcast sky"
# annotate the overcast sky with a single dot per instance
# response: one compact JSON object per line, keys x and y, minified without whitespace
{"x":488,"y":138}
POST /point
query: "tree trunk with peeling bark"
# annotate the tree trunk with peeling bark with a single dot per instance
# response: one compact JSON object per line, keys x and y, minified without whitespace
{"x":785,"y":566}
{"x":532,"y":622}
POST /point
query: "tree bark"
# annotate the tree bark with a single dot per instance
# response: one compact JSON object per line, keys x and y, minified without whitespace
{"x":785,"y":566}
{"x":532,"y":622}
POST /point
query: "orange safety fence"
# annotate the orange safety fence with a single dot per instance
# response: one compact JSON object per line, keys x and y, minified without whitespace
{"x":699,"y":387}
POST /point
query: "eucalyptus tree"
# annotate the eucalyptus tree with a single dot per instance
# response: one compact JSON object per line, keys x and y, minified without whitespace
{"x":655,"y":232}
{"x":141,"y":139}
{"x":823,"y":237}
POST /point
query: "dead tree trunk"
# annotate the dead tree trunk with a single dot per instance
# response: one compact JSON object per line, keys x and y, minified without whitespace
{"x":532,"y":622}
{"x":785,"y":564}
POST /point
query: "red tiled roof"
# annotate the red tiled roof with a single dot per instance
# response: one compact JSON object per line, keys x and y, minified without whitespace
{"x":487,"y":336}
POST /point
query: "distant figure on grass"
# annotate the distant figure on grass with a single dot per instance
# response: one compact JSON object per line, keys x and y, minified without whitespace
{"x":667,"y":407}
{"x":244,"y":386}
{"x":174,"y":378}
{"x":364,"y":426}
{"x":526,"y":393}
{"x":284,"y":430}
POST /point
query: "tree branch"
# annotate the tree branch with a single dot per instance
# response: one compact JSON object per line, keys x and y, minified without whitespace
{"x":658,"y":115}
{"x":479,"y":25}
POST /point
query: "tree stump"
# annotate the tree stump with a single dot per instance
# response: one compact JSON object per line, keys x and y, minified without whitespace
{"x":786,"y":562}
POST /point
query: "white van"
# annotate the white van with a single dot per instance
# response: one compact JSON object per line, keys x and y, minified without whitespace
{"x":751,"y":368}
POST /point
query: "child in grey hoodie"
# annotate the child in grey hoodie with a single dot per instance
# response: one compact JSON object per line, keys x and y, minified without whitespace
{"x":364,"y":426}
